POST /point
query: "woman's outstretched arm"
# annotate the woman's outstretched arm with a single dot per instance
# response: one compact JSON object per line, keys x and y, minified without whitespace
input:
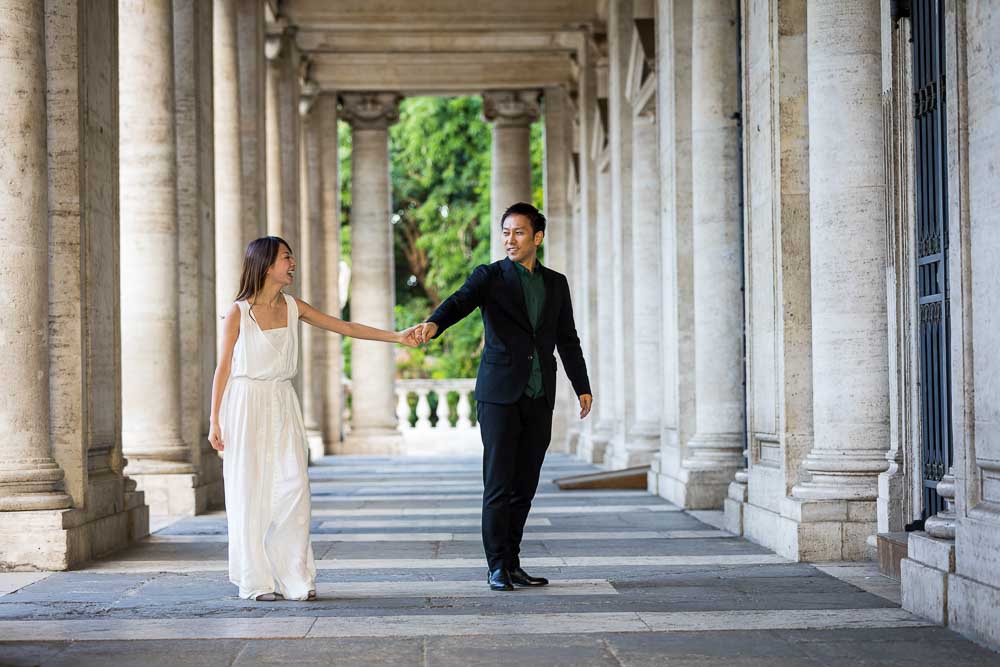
{"x":230,"y":332}
{"x":318,"y":318}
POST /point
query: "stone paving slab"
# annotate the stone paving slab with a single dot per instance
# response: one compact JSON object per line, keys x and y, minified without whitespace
{"x":658,"y":599}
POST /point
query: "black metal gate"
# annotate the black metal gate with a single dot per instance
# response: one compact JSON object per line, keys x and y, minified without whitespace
{"x":930,"y":181}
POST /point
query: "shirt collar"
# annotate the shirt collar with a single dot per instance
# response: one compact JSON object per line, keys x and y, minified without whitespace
{"x":523,"y":269}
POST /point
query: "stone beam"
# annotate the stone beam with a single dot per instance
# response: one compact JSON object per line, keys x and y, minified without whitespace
{"x":440,"y":73}
{"x":437,"y":41}
{"x":410,"y":15}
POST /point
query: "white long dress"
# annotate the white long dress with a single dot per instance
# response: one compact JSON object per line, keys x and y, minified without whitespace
{"x":264,"y":463}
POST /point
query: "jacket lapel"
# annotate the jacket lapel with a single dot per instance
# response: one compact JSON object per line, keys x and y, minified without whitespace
{"x":512,"y":283}
{"x":550,"y":295}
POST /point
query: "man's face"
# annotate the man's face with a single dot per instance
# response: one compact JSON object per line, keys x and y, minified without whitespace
{"x":520,"y":241}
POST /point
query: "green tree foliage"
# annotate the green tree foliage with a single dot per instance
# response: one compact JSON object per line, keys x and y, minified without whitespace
{"x":440,"y":168}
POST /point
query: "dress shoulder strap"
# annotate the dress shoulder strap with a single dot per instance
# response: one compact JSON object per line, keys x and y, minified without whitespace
{"x":293,"y":310}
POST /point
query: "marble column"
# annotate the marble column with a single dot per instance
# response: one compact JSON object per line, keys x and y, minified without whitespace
{"x":715,"y":450}
{"x":282,"y":132}
{"x":194,"y":129}
{"x":332,"y":363}
{"x":619,"y":247}
{"x":848,"y":259}
{"x":512,"y":113}
{"x":30,"y":479}
{"x":314,"y":341}
{"x":231,"y":238}
{"x":848,"y":252}
{"x":151,"y":411}
{"x":558,"y":236}
{"x":373,"y":407}
{"x":604,"y":424}
{"x":646,"y":380}
{"x":66,"y":364}
{"x":252,"y":64}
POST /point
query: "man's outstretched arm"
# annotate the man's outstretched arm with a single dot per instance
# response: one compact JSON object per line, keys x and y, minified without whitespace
{"x":457,"y":306}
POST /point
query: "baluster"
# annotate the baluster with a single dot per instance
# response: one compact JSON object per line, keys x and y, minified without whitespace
{"x":403,"y":410}
{"x":464,"y":409}
{"x":423,"y":408}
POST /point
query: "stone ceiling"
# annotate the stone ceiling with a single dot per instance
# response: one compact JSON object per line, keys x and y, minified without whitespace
{"x":441,"y":46}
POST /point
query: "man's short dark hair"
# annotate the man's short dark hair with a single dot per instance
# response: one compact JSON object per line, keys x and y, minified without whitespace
{"x":528,"y":211}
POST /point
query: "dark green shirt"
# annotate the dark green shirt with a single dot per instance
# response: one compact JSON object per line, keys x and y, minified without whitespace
{"x":533,"y":286}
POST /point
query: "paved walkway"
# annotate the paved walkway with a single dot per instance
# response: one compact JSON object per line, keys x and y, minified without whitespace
{"x":402,"y":582}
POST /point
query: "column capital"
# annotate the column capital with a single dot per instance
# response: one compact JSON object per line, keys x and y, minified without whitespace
{"x":511,"y":107}
{"x":277,"y":37}
{"x":370,"y":111}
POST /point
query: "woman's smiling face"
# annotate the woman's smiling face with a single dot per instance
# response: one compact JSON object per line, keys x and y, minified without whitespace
{"x":283,"y":269}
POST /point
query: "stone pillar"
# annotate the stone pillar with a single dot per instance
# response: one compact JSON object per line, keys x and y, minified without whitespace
{"x":585,"y":305}
{"x":373,"y":423}
{"x":314,"y":341}
{"x":670,"y":478}
{"x":848,"y":257}
{"x":646,"y":380}
{"x":30,"y":479}
{"x":620,"y":29}
{"x":194,"y":121}
{"x":282,"y":130}
{"x":159,"y":459}
{"x":73,"y":350}
{"x":512,"y":113}
{"x":715,"y":450}
{"x":332,"y":364}
{"x":231,"y":237}
{"x":558,"y":236}
{"x":252,"y":64}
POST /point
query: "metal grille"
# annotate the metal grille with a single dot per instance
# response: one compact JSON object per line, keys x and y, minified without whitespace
{"x":930,"y":180}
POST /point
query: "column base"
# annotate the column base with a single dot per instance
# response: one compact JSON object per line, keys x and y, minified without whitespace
{"x":733,"y":505}
{"x":180,"y":494}
{"x":813,"y":530}
{"x":637,"y":449}
{"x":64,"y":539}
{"x":695,"y":489}
{"x":972,"y":609}
{"x":593,"y":449}
{"x":317,"y":448}
{"x":372,"y":442}
{"x":925,"y":574}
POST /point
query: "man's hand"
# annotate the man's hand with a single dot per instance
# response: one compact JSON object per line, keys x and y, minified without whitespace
{"x":425,"y":332}
{"x":586,"y":400}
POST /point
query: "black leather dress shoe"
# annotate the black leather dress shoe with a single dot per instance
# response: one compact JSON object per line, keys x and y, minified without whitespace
{"x":499,"y":580}
{"x":521,"y":578}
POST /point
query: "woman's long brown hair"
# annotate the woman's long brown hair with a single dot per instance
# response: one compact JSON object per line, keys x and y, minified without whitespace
{"x":260,"y":256}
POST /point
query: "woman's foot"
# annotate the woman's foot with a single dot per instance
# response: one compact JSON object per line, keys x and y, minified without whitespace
{"x":311,"y":595}
{"x":268,"y":597}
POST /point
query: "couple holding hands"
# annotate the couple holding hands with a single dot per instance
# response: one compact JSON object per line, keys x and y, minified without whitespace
{"x":257,"y":421}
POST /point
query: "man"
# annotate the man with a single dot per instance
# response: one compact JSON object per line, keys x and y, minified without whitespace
{"x":527,"y":315}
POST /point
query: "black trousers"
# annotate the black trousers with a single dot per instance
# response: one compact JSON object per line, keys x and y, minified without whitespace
{"x":515,"y":438}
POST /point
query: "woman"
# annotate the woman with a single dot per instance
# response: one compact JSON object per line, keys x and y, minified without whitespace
{"x":257,"y":420}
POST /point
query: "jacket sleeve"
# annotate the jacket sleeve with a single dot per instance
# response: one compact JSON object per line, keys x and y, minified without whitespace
{"x":568,"y":344}
{"x":457,"y":306}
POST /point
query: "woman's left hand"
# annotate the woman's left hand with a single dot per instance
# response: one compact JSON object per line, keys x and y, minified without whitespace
{"x":408,"y":337}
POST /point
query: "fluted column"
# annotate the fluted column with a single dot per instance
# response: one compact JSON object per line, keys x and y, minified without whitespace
{"x":332,"y":363}
{"x":848,"y":257}
{"x":231,"y":238}
{"x":373,"y":422}
{"x":151,"y":411}
{"x":716,"y":448}
{"x":512,"y":113}
{"x":29,"y":477}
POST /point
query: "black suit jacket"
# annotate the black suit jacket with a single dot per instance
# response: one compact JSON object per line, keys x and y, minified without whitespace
{"x":510,"y":340}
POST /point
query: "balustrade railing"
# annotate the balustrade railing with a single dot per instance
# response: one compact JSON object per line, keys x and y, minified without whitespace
{"x":439,"y":405}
